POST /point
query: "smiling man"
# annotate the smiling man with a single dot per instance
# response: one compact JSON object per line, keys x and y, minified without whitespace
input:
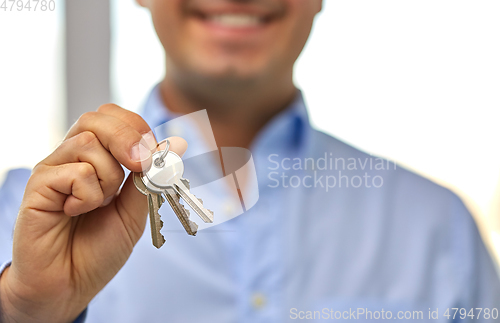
{"x":341,"y":235}
{"x":233,"y":58}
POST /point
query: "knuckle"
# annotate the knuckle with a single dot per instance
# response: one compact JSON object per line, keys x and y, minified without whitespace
{"x":136,"y":119}
{"x":39,"y":168}
{"x":86,"y":139}
{"x":96,"y":198}
{"x":86,"y":118}
{"x":126,"y":116}
{"x":123,"y":131}
{"x":85,"y":170}
{"x":108,"y":107}
{"x":117,"y":176}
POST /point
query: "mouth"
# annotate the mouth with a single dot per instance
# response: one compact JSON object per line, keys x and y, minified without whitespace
{"x":235,"y":21}
{"x":235,"y":17}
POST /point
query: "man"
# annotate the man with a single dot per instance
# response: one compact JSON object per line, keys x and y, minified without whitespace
{"x":393,"y":243}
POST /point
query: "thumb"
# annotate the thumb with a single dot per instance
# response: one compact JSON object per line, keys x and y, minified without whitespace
{"x":132,"y":205}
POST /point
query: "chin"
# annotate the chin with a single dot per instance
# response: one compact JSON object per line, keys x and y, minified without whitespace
{"x":230,"y":69}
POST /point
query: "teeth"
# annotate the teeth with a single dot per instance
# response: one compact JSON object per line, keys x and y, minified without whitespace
{"x":235,"y":20}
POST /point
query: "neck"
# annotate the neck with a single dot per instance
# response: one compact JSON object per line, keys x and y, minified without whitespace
{"x":237,"y":111}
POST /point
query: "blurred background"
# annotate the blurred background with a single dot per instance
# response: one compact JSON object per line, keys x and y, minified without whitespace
{"x":417,"y":82}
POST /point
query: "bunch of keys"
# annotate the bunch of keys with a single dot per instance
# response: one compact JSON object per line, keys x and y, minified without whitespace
{"x":164,"y":177}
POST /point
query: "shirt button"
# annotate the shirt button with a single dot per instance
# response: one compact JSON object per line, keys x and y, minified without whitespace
{"x":258,"y":301}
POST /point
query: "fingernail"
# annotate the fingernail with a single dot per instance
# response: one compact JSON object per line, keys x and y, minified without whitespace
{"x":139,"y":153}
{"x":107,"y":201}
{"x":149,"y":140}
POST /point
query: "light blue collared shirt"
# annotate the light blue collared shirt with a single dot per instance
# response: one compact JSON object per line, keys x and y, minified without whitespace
{"x":336,"y":234}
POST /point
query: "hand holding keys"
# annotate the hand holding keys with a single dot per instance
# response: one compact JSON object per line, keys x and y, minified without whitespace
{"x":79,"y":222}
{"x":165,"y":177}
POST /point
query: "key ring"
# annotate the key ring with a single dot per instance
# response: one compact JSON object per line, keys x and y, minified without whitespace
{"x":160,"y":161}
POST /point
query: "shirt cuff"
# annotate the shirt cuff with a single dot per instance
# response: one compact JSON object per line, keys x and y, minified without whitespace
{"x":79,"y":319}
{"x":4,"y":266}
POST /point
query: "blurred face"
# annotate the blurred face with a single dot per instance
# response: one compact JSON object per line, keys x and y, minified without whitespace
{"x":232,"y":39}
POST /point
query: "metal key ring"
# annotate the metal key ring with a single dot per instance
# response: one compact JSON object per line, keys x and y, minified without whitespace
{"x":160,"y":161}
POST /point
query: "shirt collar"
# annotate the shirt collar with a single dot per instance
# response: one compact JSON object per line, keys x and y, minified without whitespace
{"x":288,"y":130}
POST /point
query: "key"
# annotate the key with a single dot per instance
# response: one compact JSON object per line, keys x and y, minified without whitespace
{"x":155,"y":202}
{"x":173,"y":199}
{"x":181,"y":212}
{"x":165,"y":177}
{"x":182,"y":188}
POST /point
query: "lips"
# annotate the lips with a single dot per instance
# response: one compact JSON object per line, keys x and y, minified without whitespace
{"x":232,"y":15}
{"x":231,"y":20}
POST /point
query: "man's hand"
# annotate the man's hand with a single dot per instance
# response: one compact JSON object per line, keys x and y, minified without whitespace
{"x":75,"y":229}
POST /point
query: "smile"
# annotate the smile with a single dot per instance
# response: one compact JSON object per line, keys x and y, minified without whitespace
{"x":235,"y":20}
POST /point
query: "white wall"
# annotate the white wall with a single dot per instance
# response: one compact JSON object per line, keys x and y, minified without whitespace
{"x":137,"y":59}
{"x":31,"y":85}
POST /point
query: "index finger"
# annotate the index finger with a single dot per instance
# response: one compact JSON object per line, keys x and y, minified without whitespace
{"x":123,"y":133}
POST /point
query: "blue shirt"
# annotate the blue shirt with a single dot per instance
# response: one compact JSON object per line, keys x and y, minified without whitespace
{"x":336,"y":234}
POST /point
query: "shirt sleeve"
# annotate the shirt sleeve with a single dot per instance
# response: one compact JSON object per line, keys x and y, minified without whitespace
{"x":82,"y":317}
{"x":479,"y":273}
{"x":11,"y":195}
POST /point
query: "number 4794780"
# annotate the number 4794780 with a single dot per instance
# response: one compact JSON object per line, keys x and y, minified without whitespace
{"x":28,"y":5}
{"x":474,"y":313}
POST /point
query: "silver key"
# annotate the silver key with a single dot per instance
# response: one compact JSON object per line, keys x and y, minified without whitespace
{"x":172,"y":196}
{"x":155,"y":202}
{"x":165,"y":176}
{"x":181,"y":212}
{"x":182,"y":188}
